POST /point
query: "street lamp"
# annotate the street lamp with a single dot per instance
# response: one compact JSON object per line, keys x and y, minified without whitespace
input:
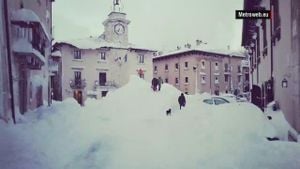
{"x":284,"y":83}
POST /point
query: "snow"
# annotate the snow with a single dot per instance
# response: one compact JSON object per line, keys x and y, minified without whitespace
{"x":56,"y":54}
{"x":24,"y":46}
{"x":129,"y":129}
{"x":206,"y":50}
{"x":278,"y":121}
{"x":27,"y":16}
{"x":98,"y":42}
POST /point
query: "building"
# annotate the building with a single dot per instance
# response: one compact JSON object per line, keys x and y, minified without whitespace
{"x":273,"y":47}
{"x":4,"y":87}
{"x":26,"y":48}
{"x":197,"y":71}
{"x":94,"y":66}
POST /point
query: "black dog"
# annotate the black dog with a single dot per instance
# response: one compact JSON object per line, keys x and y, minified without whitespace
{"x":168,"y":112}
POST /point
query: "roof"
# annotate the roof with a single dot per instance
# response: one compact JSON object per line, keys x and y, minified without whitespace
{"x":56,"y":54}
{"x":98,"y":42}
{"x":221,"y":52}
{"x":28,"y":16}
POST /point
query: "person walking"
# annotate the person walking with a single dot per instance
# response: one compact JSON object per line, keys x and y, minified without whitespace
{"x":181,"y":101}
{"x":160,"y":82}
{"x":154,"y":83}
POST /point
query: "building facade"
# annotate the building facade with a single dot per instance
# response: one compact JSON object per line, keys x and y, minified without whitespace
{"x":273,"y":47}
{"x":197,"y":71}
{"x":94,"y":66}
{"x":28,"y":47}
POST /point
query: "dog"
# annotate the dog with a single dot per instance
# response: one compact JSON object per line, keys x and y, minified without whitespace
{"x":168,"y":112}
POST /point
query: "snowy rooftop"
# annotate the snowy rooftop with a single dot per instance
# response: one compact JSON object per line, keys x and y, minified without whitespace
{"x":28,"y":16}
{"x":204,"y":50}
{"x":56,"y":54}
{"x":97,"y":42}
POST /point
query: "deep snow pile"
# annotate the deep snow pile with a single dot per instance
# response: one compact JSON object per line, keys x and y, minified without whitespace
{"x":129,"y":129}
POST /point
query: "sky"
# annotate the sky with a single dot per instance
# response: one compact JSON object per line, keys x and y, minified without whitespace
{"x":156,"y":24}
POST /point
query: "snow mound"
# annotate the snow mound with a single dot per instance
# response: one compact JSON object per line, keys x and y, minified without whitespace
{"x":129,"y":129}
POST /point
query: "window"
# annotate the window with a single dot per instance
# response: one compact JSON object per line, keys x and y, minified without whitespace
{"x":186,"y":64}
{"x":176,"y":66}
{"x":220,"y":101}
{"x":155,"y":68}
{"x":226,"y":67}
{"x":203,"y":79}
{"x":125,"y":58}
{"x":208,"y":101}
{"x":166,"y":67}
{"x":77,"y":78}
{"x":102,"y":56}
{"x":176,"y":80}
{"x":276,"y":20}
{"x":167,"y":80}
{"x":216,"y":66}
{"x":203,"y":64}
{"x":77,"y":54}
{"x":226,"y":78}
{"x":216,"y":80}
{"x":265,"y":41}
{"x":102,"y":78}
{"x":186,"y":79}
{"x":239,"y":69}
{"x":141,"y":58}
{"x":239,"y":79}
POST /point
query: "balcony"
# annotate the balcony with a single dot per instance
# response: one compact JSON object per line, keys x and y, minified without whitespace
{"x":31,"y":38}
{"x":227,"y":71}
{"x":105,"y":85}
{"x":78,"y":84}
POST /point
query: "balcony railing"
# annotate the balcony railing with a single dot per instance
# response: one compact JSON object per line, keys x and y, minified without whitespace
{"x":227,"y":71}
{"x":78,"y":84}
{"x":106,"y":84}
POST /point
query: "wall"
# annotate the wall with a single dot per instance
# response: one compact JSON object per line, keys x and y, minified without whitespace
{"x":209,"y":71}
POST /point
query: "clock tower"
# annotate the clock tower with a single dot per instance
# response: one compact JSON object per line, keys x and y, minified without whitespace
{"x":116,"y":25}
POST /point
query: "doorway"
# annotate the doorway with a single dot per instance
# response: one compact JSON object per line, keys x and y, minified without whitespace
{"x":78,"y":97}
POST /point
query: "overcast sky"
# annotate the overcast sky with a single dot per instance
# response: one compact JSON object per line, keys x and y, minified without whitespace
{"x":158,"y":24}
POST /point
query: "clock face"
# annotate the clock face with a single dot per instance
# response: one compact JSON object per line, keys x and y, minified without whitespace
{"x":119,"y":29}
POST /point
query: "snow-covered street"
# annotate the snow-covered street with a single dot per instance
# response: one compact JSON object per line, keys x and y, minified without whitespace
{"x":129,"y":129}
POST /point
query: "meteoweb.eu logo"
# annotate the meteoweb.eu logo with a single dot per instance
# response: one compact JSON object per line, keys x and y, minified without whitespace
{"x":244,"y":14}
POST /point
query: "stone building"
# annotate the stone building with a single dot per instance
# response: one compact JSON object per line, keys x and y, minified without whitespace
{"x":26,"y":48}
{"x":197,"y":71}
{"x":94,"y":66}
{"x":273,"y":47}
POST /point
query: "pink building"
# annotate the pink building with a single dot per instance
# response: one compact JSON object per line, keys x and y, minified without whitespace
{"x":273,"y":47}
{"x":193,"y":70}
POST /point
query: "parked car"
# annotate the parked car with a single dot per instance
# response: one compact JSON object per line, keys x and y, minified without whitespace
{"x":229,"y":97}
{"x":244,"y":97}
{"x":215,"y":101}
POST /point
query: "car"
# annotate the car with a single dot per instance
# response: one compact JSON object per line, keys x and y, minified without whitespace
{"x":244,"y":97}
{"x":229,"y":97}
{"x":215,"y":101}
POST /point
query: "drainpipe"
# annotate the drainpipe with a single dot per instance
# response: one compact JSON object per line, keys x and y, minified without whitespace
{"x":11,"y":86}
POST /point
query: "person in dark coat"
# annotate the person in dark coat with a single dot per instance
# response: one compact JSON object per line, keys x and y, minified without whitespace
{"x":160,"y":82}
{"x":181,"y":100}
{"x":154,"y":83}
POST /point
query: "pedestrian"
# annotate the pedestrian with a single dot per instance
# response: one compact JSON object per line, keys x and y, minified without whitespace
{"x":160,"y":82}
{"x":154,"y":83}
{"x":181,"y":100}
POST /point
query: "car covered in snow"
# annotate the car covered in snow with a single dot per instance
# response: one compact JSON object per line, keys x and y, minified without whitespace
{"x":215,"y":101}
